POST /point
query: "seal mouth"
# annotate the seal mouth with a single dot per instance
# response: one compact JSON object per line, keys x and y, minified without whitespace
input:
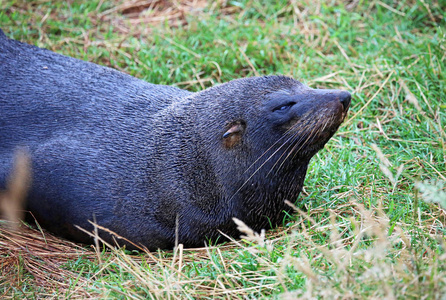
{"x":313,"y":130}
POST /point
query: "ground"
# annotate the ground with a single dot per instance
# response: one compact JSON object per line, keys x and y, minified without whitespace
{"x":371,"y":220}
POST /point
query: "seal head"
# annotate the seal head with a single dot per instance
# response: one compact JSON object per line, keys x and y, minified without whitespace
{"x":254,"y":139}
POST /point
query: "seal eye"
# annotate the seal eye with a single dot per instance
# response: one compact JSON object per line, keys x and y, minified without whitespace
{"x":284,"y":108}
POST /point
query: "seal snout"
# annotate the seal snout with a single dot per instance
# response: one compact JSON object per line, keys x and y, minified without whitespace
{"x":345,"y":98}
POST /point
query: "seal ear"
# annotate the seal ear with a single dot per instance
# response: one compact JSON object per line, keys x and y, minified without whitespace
{"x":234,"y":134}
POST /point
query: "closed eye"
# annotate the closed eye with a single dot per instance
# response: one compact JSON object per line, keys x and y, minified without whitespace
{"x":284,"y":107}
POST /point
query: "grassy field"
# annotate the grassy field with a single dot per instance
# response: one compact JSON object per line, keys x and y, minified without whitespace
{"x":370,"y":223}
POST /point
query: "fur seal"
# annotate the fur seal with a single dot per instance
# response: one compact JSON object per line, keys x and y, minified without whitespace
{"x":151,"y":162}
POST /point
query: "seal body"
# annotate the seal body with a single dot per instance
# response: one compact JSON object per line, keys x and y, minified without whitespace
{"x":155,"y":163}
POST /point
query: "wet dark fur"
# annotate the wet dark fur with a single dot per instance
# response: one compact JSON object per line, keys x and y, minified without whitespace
{"x":138,"y":156}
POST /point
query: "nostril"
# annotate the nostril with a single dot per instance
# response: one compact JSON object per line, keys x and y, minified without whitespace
{"x":345,"y":99}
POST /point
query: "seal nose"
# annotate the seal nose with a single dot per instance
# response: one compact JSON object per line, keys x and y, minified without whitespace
{"x":345,"y":98}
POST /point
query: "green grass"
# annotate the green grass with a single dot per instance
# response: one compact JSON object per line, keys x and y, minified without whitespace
{"x":389,"y":54}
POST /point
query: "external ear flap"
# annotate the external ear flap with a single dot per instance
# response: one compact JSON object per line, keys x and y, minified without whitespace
{"x":234,"y":134}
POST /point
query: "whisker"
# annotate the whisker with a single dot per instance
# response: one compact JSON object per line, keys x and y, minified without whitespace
{"x":293,"y":140}
{"x":297,"y":138}
{"x":293,"y":135}
{"x":266,"y":151}
{"x":318,"y":130}
{"x":294,"y":151}
{"x":255,"y":172}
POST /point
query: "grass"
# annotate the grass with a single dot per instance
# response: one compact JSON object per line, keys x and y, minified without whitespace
{"x":375,"y":217}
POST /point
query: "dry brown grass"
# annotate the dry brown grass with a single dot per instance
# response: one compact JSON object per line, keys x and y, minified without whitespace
{"x":29,"y":257}
{"x":137,"y":17}
{"x":364,"y":257}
